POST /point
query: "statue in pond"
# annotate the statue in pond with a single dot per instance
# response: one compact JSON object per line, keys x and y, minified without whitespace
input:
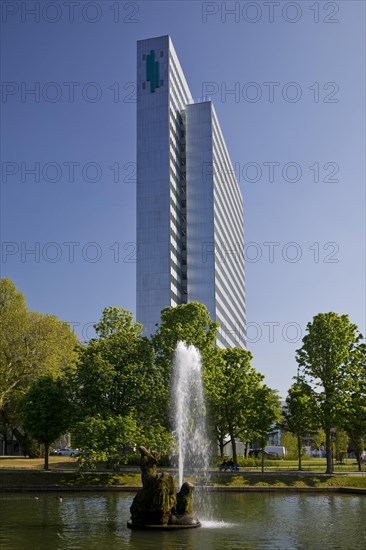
{"x":157,"y":505}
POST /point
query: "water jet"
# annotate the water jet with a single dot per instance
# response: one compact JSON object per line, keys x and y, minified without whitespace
{"x":157,"y":505}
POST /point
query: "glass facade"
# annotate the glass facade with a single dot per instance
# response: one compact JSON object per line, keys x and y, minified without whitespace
{"x":190,"y":236}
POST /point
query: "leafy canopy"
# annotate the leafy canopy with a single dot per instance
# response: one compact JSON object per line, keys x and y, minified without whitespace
{"x":117,"y":389}
{"x":46,"y":411}
{"x":31,"y":344}
{"x":329,"y":359}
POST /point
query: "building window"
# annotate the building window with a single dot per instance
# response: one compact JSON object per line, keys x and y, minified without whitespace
{"x":161,"y":82}
{"x":143,"y":57}
{"x":143,"y":85}
{"x":161,"y":53}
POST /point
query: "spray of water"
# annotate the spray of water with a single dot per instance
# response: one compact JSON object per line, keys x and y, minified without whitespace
{"x":189,"y":412}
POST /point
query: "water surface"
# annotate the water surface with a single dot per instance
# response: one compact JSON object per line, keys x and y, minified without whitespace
{"x":80,"y":521}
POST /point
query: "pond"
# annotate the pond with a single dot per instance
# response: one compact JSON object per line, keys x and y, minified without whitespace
{"x":78,"y":521}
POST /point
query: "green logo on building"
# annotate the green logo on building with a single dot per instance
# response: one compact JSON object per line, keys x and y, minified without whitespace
{"x":152,"y":71}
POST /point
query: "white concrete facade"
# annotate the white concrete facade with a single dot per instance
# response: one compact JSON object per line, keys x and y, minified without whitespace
{"x":190,"y":236}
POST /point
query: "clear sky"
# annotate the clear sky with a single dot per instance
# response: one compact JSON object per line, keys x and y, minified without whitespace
{"x":294,"y":125}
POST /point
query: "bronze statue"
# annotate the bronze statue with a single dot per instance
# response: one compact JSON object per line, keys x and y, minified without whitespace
{"x":157,"y":504}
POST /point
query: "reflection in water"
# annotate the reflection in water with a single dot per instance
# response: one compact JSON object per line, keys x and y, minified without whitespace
{"x":256,"y":521}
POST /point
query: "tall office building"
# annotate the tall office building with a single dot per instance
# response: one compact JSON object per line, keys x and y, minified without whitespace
{"x":190,"y":236}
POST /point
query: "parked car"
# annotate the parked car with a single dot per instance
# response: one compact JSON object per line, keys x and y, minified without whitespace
{"x":67,"y":452}
{"x":278,"y":450}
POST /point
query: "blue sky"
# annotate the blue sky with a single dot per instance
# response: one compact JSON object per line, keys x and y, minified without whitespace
{"x":294,"y":127}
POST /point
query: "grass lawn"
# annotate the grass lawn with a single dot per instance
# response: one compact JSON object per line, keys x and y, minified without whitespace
{"x":68,"y":463}
{"x":64,"y":472}
{"x":57,"y":480}
{"x":310,"y":465}
{"x":288,"y":480}
{"x":55,"y":463}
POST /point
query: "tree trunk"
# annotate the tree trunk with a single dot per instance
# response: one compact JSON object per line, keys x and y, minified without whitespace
{"x":221,"y":446}
{"x":233,"y":445}
{"x":46,"y":452}
{"x":328,"y":451}
{"x":246,"y":449}
{"x":299,"y":449}
{"x":358,"y":458}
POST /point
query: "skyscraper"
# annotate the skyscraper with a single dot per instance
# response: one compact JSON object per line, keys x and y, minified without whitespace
{"x":190,"y":237}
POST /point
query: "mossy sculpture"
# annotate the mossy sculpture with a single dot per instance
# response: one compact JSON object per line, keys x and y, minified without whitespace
{"x":156,"y":505}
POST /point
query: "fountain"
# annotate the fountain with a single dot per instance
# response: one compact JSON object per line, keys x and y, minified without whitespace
{"x":189,"y":411}
{"x":157,"y":506}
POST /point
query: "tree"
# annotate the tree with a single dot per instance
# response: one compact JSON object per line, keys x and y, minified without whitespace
{"x":289,"y":441}
{"x":341,"y":445}
{"x":318,"y":439}
{"x":190,"y":323}
{"x":266,"y":413}
{"x":102,"y":439}
{"x":14,"y":327}
{"x":355,"y":425}
{"x":31,"y":345}
{"x":46,"y":412}
{"x":231,"y":384}
{"x":327,"y":361}
{"x":300,"y":415}
{"x":117,"y":389}
{"x":355,"y":422}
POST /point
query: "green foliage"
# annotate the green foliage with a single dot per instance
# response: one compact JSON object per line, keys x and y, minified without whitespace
{"x":32,"y":345}
{"x":117,"y":320}
{"x":300,"y":416}
{"x":266,"y":412}
{"x":289,"y":480}
{"x":341,"y":445}
{"x":355,"y":421}
{"x":105,"y":439}
{"x":290,"y":442}
{"x":231,"y":385}
{"x":134,"y":459}
{"x":108,"y":479}
{"x":46,"y":411}
{"x":118,"y":392}
{"x":190,"y":323}
{"x":318,"y":439}
{"x":329,"y":361}
{"x":115,"y":373}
